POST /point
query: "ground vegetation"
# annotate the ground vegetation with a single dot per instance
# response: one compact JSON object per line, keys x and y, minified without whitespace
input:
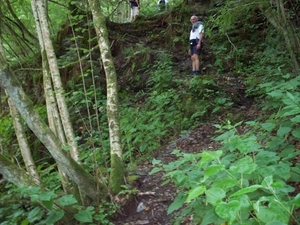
{"x":218,"y":148}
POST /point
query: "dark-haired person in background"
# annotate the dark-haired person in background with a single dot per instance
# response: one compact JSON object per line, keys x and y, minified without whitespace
{"x":135,"y":9}
{"x":196,"y":44}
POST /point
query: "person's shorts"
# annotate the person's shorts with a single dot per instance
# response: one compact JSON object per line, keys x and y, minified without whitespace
{"x":194,"y":49}
{"x":134,"y":11}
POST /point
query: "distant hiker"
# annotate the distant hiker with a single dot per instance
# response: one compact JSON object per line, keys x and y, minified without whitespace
{"x":162,"y":5}
{"x":196,"y":44}
{"x":135,"y":9}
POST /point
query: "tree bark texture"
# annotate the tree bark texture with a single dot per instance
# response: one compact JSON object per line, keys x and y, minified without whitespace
{"x":40,"y":6}
{"x":117,"y":171}
{"x":23,"y":143}
{"x":54,"y":120}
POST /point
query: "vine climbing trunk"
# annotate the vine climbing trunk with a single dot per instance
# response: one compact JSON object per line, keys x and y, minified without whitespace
{"x":117,"y":170}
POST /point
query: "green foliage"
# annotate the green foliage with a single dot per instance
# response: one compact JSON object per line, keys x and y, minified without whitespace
{"x":246,"y":181}
{"x":36,"y":206}
{"x":7,"y":135}
{"x":241,"y":183}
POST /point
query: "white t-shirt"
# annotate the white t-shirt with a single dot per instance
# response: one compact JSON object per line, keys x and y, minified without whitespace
{"x":166,"y":2}
{"x":197,"y":31}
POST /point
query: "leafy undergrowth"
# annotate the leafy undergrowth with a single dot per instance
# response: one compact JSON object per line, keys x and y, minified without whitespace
{"x":161,"y":202}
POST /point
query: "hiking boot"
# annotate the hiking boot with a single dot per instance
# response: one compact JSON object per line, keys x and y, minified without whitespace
{"x":195,"y":72}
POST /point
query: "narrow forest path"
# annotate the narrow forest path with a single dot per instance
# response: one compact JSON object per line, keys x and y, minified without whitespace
{"x":156,"y":198}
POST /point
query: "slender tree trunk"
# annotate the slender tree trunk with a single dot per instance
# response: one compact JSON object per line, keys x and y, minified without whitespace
{"x":54,"y":119}
{"x":56,"y":79}
{"x":24,"y":147}
{"x":117,"y":167}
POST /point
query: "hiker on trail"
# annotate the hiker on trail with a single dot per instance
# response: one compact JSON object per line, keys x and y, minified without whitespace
{"x":135,"y":8}
{"x":196,"y":44}
{"x":162,"y":5}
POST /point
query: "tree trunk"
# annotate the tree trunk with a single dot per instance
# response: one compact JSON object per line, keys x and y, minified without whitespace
{"x":117,"y":167}
{"x":40,"y":7}
{"x":14,"y":174}
{"x":83,"y":179}
{"x":23,"y":144}
{"x":54,"y":120}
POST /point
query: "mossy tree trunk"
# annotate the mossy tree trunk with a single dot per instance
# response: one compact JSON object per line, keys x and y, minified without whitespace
{"x":117,"y":167}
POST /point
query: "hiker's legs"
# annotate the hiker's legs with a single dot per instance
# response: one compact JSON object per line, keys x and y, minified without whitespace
{"x":134,"y":13}
{"x":195,"y":62}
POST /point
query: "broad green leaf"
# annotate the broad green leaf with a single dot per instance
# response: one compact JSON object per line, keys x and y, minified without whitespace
{"x":246,"y":190}
{"x":274,"y":212}
{"x":35,"y":214}
{"x":24,"y":222}
{"x":195,"y":192}
{"x":209,"y":156}
{"x":224,"y":181}
{"x":266,"y":158}
{"x":84,"y":216}
{"x":267,"y":182}
{"x":67,"y":200}
{"x":155,"y":170}
{"x":212,"y":218}
{"x":282,"y":131}
{"x":156,"y":161}
{"x":296,"y":200}
{"x":268,"y":126}
{"x":245,"y":202}
{"x":276,"y":223}
{"x":296,"y":119}
{"x":282,"y":170}
{"x":214,"y":195}
{"x":54,"y":216}
{"x":244,"y":166}
{"x":177,"y":203}
{"x":46,"y":196}
{"x":213,"y":169}
{"x":248,"y":144}
{"x":296,"y":133}
{"x":228,"y":210}
{"x":48,"y":204}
